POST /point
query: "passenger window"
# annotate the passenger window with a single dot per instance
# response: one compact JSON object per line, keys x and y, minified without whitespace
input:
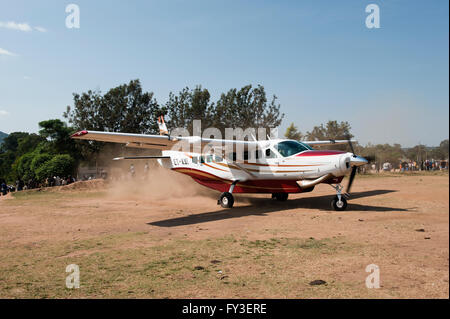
{"x":217,"y":159}
{"x":209,"y":158}
{"x":194,"y":160}
{"x":268,"y":152}
{"x":246,"y":157}
{"x":202,"y":159}
{"x":258,"y":154}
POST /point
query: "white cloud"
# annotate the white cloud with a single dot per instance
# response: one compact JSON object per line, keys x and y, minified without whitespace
{"x":26,"y":77}
{"x":16,"y":26}
{"x":40,"y":29}
{"x":6,"y":52}
{"x":3,"y":113}
{"x":21,"y":26}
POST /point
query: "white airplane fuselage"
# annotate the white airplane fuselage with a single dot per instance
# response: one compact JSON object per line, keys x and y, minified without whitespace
{"x":265,"y":174}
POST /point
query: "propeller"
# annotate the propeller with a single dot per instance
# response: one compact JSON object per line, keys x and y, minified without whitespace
{"x":352,"y":177}
{"x":357,"y":161}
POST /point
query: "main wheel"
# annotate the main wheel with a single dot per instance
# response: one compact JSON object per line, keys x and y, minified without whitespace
{"x":226,"y":200}
{"x":339,"y":204}
{"x":280,"y":196}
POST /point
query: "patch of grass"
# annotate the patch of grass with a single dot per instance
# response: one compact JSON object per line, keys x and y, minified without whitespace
{"x":180,"y":268}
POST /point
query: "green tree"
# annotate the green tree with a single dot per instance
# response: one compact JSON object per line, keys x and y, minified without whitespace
{"x":441,"y":152}
{"x":59,"y":165}
{"x":11,"y":142}
{"x":187,"y":106}
{"x":246,"y":108}
{"x":125,"y":108}
{"x":22,"y":167}
{"x":13,"y":147}
{"x":38,"y":160}
{"x":332,"y":130}
{"x":57,"y":133}
{"x":293,"y":133}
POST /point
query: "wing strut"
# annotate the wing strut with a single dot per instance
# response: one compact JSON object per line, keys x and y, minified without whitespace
{"x":138,"y":157}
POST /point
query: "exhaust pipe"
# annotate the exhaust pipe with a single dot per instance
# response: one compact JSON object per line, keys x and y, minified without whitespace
{"x":308,"y":184}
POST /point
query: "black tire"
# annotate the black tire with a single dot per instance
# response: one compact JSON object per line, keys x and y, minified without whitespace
{"x":339,"y":206}
{"x":280,"y":196}
{"x":226,"y":200}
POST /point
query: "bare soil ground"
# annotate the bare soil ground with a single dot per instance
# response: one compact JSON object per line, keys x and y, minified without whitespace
{"x":167,"y":238}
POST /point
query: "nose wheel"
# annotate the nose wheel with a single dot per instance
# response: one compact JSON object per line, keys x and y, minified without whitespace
{"x":339,"y":202}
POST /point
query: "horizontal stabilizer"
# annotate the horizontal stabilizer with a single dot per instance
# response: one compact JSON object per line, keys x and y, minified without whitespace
{"x":138,"y":157}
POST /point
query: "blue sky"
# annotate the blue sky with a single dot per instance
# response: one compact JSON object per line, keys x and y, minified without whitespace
{"x":318,"y":57}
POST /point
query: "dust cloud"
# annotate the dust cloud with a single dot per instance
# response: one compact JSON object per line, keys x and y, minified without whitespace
{"x":158,"y":184}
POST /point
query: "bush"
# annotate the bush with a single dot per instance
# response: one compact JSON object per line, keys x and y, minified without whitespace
{"x":39,"y":160}
{"x":59,"y":165}
{"x":22,"y":166}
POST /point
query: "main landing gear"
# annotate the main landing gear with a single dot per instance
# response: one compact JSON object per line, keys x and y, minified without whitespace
{"x":226,"y":199}
{"x":339,"y":203}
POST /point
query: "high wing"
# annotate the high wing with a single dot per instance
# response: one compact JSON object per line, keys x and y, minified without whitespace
{"x":329,"y":142}
{"x":161,"y":142}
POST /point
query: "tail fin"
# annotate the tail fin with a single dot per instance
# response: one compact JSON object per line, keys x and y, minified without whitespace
{"x":162,"y":126}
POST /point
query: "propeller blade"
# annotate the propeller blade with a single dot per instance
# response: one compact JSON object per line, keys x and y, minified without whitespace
{"x":352,"y":177}
{"x":350,"y":143}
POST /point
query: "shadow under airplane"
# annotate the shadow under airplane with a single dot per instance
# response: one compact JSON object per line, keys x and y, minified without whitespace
{"x":263,"y":206}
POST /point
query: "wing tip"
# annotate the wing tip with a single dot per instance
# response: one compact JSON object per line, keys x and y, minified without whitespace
{"x":79,"y":133}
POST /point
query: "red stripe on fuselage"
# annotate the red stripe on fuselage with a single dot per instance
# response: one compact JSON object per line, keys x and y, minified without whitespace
{"x":255,"y":186}
{"x":319,"y":153}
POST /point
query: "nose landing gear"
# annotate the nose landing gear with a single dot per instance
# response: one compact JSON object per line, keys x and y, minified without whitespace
{"x":339,"y":203}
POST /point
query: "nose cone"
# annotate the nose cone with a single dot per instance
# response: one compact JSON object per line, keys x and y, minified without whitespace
{"x":358,"y":161}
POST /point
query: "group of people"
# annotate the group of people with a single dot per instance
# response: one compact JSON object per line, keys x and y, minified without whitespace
{"x":61,"y":181}
{"x":32,"y":183}
{"x":58,"y":181}
{"x":132,"y":172}
{"x":427,"y":165}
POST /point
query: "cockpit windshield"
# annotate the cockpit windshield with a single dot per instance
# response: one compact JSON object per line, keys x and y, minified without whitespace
{"x":288,"y":148}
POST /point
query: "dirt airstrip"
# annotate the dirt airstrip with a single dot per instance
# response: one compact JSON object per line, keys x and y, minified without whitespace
{"x":167,"y":238}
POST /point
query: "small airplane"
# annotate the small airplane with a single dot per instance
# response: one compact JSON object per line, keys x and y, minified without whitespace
{"x":273,"y":166}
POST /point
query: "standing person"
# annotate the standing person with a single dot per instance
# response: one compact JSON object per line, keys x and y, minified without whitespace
{"x":132,"y":171}
{"x":4,"y":188}
{"x":20,"y":185}
{"x":146,"y":169}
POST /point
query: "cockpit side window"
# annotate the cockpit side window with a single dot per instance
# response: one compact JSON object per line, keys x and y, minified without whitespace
{"x":289,"y":148}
